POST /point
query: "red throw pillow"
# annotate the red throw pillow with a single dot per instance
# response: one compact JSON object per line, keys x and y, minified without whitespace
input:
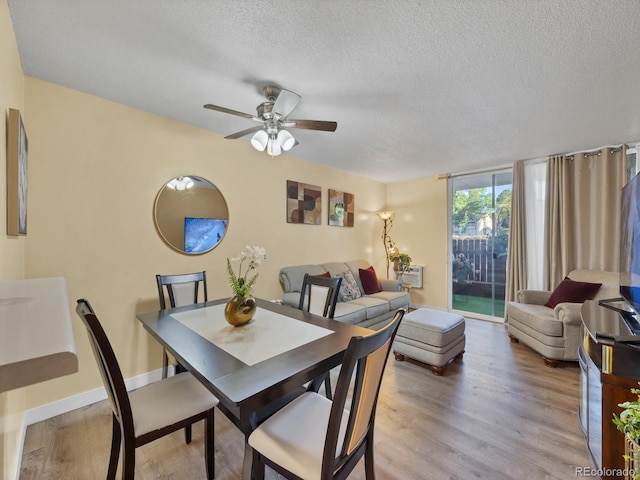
{"x":369,"y":280}
{"x":325,"y":275}
{"x":571,"y":291}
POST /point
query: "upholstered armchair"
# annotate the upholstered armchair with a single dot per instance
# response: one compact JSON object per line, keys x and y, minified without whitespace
{"x":554,"y":331}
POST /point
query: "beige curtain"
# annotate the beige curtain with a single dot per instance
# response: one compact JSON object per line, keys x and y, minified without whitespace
{"x":582,"y":229}
{"x":517,"y":249}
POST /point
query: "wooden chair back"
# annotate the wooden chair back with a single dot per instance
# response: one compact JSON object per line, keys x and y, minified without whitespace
{"x":108,"y":365}
{"x":181,"y":289}
{"x":319,"y":295}
{"x":366,"y":357}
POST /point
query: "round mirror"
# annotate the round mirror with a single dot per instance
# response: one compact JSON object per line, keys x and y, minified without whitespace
{"x":191,"y":214}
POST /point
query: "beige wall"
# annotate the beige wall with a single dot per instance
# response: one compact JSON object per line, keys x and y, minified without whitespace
{"x":420,"y":229}
{"x":12,"y":249}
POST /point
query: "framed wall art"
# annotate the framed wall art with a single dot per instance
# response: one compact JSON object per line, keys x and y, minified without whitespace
{"x":17,"y":147}
{"x":304,"y":203}
{"x":341,"y":208}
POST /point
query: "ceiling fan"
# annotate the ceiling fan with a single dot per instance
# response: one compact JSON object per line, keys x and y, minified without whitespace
{"x":273,"y":116}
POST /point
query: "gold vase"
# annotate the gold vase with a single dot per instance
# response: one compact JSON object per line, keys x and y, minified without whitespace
{"x":240,"y":310}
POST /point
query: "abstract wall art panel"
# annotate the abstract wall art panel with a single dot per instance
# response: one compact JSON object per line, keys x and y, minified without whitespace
{"x":341,"y":208}
{"x":304,"y":203}
{"x":17,"y":147}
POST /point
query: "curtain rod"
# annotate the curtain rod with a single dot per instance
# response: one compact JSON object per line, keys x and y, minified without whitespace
{"x":591,"y":151}
{"x":615,"y":148}
{"x":497,"y":168}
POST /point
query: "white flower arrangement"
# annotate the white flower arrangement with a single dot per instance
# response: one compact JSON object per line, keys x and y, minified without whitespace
{"x":242,"y":284}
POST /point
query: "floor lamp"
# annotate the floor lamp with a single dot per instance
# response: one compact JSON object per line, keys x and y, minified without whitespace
{"x":389,"y":246}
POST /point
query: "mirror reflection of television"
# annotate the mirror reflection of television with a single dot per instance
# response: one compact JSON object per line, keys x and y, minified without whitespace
{"x":630,"y":244}
{"x":202,"y":234}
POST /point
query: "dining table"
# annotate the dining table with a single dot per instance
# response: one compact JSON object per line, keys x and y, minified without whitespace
{"x":256,"y":368}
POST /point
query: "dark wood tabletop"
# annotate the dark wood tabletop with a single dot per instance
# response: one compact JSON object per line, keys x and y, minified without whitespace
{"x":244,"y":389}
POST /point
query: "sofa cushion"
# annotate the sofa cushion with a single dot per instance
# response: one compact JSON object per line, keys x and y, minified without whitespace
{"x":355,"y":266}
{"x":373,"y":306}
{"x":553,"y":346}
{"x":396,"y":299}
{"x":369,"y":279}
{"x":348,"y":312}
{"x":349,"y":289}
{"x":537,"y":317}
{"x":334,"y":268}
{"x":572,"y":291}
{"x":610,"y":281}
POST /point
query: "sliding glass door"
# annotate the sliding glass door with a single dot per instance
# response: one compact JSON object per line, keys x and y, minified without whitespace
{"x":480,"y":215}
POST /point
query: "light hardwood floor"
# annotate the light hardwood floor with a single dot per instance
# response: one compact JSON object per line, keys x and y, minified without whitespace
{"x":497,"y":414}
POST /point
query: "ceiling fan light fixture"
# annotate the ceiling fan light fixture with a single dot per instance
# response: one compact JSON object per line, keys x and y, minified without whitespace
{"x":273,"y":147}
{"x":273,"y":114}
{"x":286,"y":140}
{"x":180,"y":183}
{"x":260,"y":140}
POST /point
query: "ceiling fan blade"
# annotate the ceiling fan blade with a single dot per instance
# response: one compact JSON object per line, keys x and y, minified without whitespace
{"x":242,"y":133}
{"x":285,"y":103}
{"x":228,"y":110}
{"x":314,"y":125}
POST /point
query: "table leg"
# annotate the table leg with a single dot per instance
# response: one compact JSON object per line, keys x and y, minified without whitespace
{"x":247,"y":462}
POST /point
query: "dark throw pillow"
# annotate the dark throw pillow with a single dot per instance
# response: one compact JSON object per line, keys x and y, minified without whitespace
{"x":572,"y":291}
{"x":369,"y":279}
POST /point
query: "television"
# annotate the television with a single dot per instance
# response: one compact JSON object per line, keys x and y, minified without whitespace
{"x":202,"y":234}
{"x":630,"y":244}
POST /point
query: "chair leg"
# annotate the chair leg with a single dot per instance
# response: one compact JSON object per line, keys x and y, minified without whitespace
{"x":369,"y":469}
{"x":257,"y":470}
{"x":128,"y":459}
{"x":209,"y":445}
{"x":327,"y":386}
{"x":116,"y":438}
{"x":187,"y":434}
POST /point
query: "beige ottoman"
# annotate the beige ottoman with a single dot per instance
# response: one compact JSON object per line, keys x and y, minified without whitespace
{"x":432,"y":337}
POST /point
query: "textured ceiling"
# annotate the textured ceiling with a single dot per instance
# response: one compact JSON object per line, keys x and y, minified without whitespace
{"x":418,"y":88}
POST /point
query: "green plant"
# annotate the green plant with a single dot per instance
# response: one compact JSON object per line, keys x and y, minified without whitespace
{"x":400,"y":260}
{"x":629,"y":420}
{"x":242,"y":284}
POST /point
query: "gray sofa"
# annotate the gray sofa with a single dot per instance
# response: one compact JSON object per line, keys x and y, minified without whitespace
{"x":372,"y":311}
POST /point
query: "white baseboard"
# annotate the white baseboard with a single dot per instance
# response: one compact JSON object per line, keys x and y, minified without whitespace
{"x":18,"y":458}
